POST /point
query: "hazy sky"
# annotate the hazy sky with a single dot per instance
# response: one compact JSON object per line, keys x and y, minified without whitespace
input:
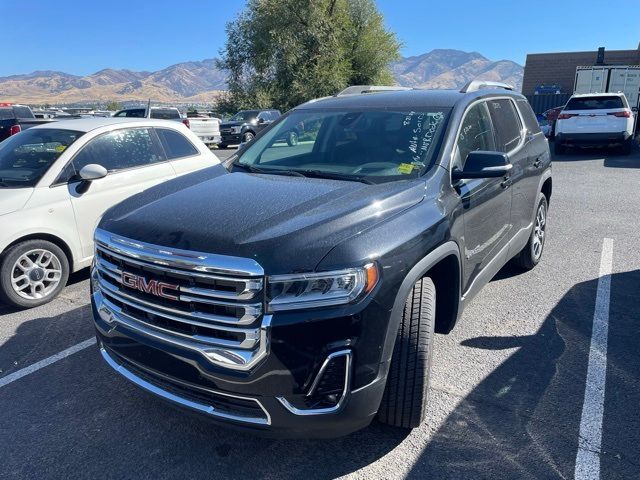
{"x":82,"y":37}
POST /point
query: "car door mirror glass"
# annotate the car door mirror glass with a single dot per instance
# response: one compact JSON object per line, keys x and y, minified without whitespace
{"x":483,"y":164}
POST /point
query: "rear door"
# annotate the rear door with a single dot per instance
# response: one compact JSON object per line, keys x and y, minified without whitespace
{"x":486,"y":202}
{"x":135,"y":161}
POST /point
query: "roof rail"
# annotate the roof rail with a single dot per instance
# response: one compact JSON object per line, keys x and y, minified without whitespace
{"x":475,"y":85}
{"x":360,"y":89}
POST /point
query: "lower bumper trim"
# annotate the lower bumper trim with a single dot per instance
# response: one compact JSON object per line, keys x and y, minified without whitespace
{"x":184,"y":402}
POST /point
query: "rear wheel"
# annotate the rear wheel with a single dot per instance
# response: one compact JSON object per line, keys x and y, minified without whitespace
{"x":405,"y":396}
{"x":627,"y":147}
{"x":531,"y":254}
{"x":32,"y":273}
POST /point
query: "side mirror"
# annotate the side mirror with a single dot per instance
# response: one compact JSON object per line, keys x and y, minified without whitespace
{"x":88,"y":174}
{"x":260,"y":121}
{"x":481,"y":164}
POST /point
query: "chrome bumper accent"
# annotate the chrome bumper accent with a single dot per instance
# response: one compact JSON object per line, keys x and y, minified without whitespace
{"x":345,"y":392}
{"x":184,"y":402}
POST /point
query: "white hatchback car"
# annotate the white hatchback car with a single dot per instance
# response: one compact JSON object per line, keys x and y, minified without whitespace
{"x":595,"y":119}
{"x":56,"y":181}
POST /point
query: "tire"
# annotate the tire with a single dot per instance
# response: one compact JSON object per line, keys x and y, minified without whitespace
{"x":247,"y":137}
{"x":626,"y":147}
{"x":292,"y":139}
{"x":530,"y":256}
{"x":37,"y":290}
{"x":558,"y":148}
{"x":405,"y":396}
{"x":223,"y":146}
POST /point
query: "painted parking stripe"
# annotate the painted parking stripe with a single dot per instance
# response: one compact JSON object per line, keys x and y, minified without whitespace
{"x":590,"y":440}
{"x":46,"y":362}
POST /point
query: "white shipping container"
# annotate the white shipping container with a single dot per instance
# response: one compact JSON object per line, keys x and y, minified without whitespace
{"x":591,"y":79}
{"x":627,"y":81}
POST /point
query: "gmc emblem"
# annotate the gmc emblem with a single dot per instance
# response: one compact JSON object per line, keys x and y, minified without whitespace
{"x":154,"y":287}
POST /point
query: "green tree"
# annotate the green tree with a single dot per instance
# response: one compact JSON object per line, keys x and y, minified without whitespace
{"x":113,"y":106}
{"x":280,"y":53}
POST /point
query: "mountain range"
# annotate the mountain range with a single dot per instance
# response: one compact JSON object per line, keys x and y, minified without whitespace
{"x":202,"y":81}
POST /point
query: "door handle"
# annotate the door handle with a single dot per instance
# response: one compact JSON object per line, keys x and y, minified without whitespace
{"x":506,"y":182}
{"x":537,"y":163}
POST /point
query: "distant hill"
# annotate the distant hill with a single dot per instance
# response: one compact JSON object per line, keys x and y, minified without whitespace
{"x":201,"y":81}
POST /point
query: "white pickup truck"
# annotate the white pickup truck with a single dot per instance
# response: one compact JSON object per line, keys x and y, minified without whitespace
{"x":206,"y":128}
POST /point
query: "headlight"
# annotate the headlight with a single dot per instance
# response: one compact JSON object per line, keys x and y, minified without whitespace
{"x":236,"y":130}
{"x":308,"y":290}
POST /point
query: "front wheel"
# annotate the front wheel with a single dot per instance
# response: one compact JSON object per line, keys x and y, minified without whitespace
{"x":292,"y":139}
{"x":531,"y":254}
{"x":247,"y":137}
{"x":32,"y":273}
{"x":405,"y":397}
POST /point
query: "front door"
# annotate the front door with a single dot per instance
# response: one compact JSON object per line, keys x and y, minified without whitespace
{"x":486,"y":201}
{"x":135,"y":162}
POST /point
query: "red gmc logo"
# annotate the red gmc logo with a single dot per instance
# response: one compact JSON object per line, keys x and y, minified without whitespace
{"x":154,"y":287}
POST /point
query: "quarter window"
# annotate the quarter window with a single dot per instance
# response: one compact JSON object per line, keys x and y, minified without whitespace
{"x":506,"y":123}
{"x":120,"y":150}
{"x":476,"y":132}
{"x":529,"y":117}
{"x":175,"y":144}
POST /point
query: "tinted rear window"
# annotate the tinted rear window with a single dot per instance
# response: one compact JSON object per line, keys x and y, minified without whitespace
{"x":23,"y":112}
{"x":505,"y":123}
{"x":6,"y":113}
{"x":165,"y":114}
{"x":594,"y":103}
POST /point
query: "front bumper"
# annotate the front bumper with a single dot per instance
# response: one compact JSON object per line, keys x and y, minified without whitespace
{"x":592,"y":138}
{"x":214,"y":140}
{"x":263,"y":399}
{"x":231,"y":138}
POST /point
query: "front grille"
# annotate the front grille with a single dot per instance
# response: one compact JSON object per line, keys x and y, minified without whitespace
{"x":208,"y":302}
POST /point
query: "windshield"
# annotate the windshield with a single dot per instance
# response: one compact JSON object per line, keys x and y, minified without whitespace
{"x":25,"y":157}
{"x":368,"y":145}
{"x":244,"y":116}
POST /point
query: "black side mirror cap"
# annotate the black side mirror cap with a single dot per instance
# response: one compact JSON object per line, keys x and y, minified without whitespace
{"x":483,"y":164}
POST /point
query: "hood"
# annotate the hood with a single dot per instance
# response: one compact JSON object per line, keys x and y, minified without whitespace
{"x":234,"y":124}
{"x":284,"y":223}
{"x":12,"y":199}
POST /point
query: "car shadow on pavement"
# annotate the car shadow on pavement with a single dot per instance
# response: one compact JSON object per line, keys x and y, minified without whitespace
{"x":522,"y":420}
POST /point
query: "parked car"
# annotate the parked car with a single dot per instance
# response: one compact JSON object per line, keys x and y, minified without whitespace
{"x":16,"y":118}
{"x":551,"y":116}
{"x":298,"y":292}
{"x":160,"y":113}
{"x":595,"y":119}
{"x":206,"y":128}
{"x":245,"y":125}
{"x":56,"y":181}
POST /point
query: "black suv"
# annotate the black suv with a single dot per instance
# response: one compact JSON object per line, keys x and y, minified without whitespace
{"x":298,"y":293}
{"x":245,"y":125}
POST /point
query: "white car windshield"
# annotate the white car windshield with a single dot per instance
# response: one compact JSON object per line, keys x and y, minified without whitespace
{"x":367,"y":145}
{"x":25,"y":157}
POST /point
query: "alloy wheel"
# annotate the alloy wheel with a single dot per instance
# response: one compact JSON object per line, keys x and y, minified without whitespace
{"x":36,"y":274}
{"x":539,"y":231}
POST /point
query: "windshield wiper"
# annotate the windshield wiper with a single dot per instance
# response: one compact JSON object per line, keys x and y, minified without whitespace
{"x":274,"y":171}
{"x":335,"y":176}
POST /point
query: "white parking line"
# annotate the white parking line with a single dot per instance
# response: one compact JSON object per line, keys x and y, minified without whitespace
{"x":46,"y":362}
{"x":590,"y":440}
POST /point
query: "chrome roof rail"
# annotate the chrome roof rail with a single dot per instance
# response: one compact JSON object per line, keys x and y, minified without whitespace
{"x":475,"y":85}
{"x":360,"y":89}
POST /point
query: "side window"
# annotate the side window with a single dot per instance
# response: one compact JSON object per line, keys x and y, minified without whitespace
{"x":476,"y":132}
{"x":506,"y":123}
{"x":121,"y":149}
{"x":175,"y":144}
{"x":530,"y":120}
{"x":266,"y":116}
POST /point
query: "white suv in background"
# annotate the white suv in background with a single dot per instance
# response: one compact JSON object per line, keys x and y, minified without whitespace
{"x":595,"y":119}
{"x":56,"y":181}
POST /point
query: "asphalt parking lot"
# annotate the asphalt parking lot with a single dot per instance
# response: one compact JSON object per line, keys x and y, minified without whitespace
{"x":507,"y":393}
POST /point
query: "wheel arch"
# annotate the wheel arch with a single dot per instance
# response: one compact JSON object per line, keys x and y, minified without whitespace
{"x":547,"y":189}
{"x":49,"y":238}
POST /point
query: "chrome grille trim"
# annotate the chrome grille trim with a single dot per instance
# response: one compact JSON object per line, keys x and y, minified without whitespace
{"x":225,"y":324}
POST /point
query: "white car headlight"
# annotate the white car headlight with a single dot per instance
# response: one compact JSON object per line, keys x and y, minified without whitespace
{"x":236,"y":130}
{"x":309,"y":290}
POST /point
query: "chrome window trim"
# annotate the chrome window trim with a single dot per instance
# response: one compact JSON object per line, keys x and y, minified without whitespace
{"x":345,"y":391}
{"x":201,"y":407}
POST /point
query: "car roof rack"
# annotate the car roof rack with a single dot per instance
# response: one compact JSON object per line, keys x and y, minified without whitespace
{"x":361,"y":89}
{"x":475,"y":85}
